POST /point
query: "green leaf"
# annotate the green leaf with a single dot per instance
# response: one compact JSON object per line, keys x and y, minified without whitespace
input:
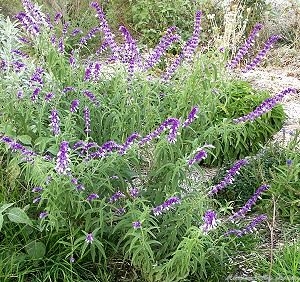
{"x":17,"y":215}
{"x":25,"y":139}
{"x":36,"y":250}
{"x":5,"y":207}
{"x":1,"y":221}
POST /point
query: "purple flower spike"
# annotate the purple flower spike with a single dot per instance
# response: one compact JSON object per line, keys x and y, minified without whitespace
{"x":89,"y":238}
{"x":92,"y":197}
{"x":87,"y":119}
{"x":20,"y":94}
{"x":262,"y":53}
{"x":43,"y":215}
{"x":265,"y":106}
{"x":57,"y":17}
{"x":37,"y":76}
{"x":210,"y":221}
{"x":16,"y":147}
{"x":65,"y":28}
{"x":188,"y":49}
{"x":35,"y":94}
{"x":170,"y":123}
{"x":54,"y":118}
{"x":62,"y":161}
{"x":134,"y":192}
{"x":130,"y":51}
{"x":72,"y":60}
{"x":244,"y":49}
{"x":250,"y":228}
{"x":164,"y":44}
{"x":229,"y":178}
{"x":74,"y":106}
{"x":199,"y":154}
{"x":128,"y":143}
{"x":247,"y":207}
{"x":168,"y":204}
{"x":108,"y":35}
{"x":37,"y":190}
{"x":90,"y":35}
{"x":136,"y":224}
{"x":49,"y":96}
{"x":68,"y":89}
{"x":91,"y":97}
{"x":36,"y":200}
{"x":191,"y":117}
{"x":117,"y":196}
{"x":75,"y":31}
{"x":61,"y":45}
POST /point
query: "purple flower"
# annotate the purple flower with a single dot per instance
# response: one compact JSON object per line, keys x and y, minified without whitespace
{"x":28,"y":23}
{"x":170,"y":123}
{"x":16,"y":147}
{"x":19,"y":53}
{"x":74,"y":106}
{"x":35,"y":94}
{"x":91,"y":97}
{"x":191,"y":117}
{"x":89,"y":238}
{"x":68,"y":89}
{"x":49,"y":96}
{"x":229,"y":177}
{"x":92,"y":197}
{"x":164,"y":44}
{"x":62,"y":161}
{"x":102,"y":48}
{"x":265,"y":106}
{"x":37,"y":189}
{"x":65,"y":28}
{"x":36,"y":200}
{"x":108,"y":35}
{"x":61,"y":45}
{"x":92,"y":71}
{"x":199,"y":154}
{"x":188,"y":49}
{"x":268,"y":45}
{"x":136,"y":224}
{"x":57,"y":17}
{"x":20,"y":94}
{"x":166,"y":206}
{"x":134,"y":192}
{"x":128,"y":143}
{"x":54,"y":122}
{"x":247,"y":45}
{"x":23,"y":40}
{"x":247,"y":207}
{"x":37,"y":76}
{"x":210,"y":221}
{"x":90,"y":35}
{"x":289,"y":162}
{"x":75,"y":31}
{"x":43,"y":215}
{"x":249,"y":228}
{"x":87,"y":119}
{"x":117,"y":196}
{"x":72,"y":60}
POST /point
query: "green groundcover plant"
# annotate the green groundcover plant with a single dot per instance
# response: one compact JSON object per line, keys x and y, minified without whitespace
{"x":95,"y":149}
